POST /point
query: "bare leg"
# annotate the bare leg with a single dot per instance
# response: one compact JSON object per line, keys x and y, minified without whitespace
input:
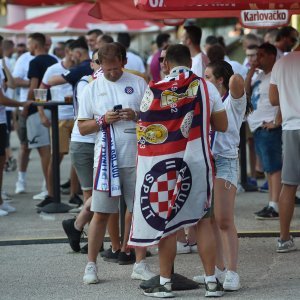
{"x":167,"y":254}
{"x":23,"y":157}
{"x":74,"y":182}
{"x":128,"y":218}
{"x":206,"y":244}
{"x":192,"y":235}
{"x":275,"y":186}
{"x":286,"y":209}
{"x":86,"y":195}
{"x":220,"y":254}
{"x":85,"y":216}
{"x":181,"y":237}
{"x":96,"y":234}
{"x":113,"y":231}
{"x":224,"y":216}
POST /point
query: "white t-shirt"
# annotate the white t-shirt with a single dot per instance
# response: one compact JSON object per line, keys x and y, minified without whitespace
{"x":58,"y":92}
{"x":286,"y":75}
{"x":21,"y":71}
{"x":263,"y":111}
{"x":102,"y":95}
{"x":76,"y":136}
{"x":134,"y":62}
{"x":238,"y":68}
{"x":226,"y":144}
{"x":199,"y":63}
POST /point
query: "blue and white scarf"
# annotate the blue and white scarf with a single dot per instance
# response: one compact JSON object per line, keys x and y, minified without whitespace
{"x":107,"y":177}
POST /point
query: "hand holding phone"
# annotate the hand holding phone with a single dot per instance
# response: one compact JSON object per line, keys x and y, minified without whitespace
{"x":117,"y":108}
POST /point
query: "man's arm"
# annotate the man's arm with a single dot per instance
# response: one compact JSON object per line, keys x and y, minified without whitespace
{"x":56,"y":80}
{"x":19,"y":82}
{"x":34,"y":84}
{"x":44,"y":120}
{"x":236,"y":86}
{"x":10,"y":80}
{"x":274,"y":95}
{"x":219,"y":121}
{"x":10,"y":102}
{"x":248,"y":80}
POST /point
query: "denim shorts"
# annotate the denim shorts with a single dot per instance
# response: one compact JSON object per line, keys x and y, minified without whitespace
{"x":227,"y":169}
{"x":268,"y":147}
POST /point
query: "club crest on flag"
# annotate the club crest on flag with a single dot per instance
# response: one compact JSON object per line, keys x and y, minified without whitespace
{"x":153,"y":134}
{"x":164,"y":192}
{"x":147,"y":100}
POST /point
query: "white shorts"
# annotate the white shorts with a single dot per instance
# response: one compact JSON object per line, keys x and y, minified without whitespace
{"x":37,"y":134}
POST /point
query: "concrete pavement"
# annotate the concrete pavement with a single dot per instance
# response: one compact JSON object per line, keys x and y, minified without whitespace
{"x":52,"y":271}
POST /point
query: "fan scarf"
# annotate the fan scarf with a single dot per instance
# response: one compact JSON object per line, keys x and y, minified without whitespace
{"x":174,"y":164}
{"x":107,"y":177}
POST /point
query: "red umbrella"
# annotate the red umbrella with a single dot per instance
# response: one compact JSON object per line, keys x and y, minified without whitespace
{"x":192,"y":5}
{"x":126,"y":10}
{"x":75,"y":19}
{"x":41,"y":2}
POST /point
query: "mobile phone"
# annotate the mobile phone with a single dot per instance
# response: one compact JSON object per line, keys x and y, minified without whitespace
{"x":117,"y":107}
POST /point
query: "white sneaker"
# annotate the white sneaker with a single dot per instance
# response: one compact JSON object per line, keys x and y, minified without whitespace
{"x":232,"y":281}
{"x":8,"y":208}
{"x":183,"y":248}
{"x":20,"y":187}
{"x":90,"y":274}
{"x":76,"y":210}
{"x":220,"y":275}
{"x":40,"y":196}
{"x":141,"y":271}
{"x":5,"y":196}
{"x":3,"y":213}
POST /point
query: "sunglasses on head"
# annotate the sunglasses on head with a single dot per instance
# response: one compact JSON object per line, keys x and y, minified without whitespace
{"x":161,"y":59}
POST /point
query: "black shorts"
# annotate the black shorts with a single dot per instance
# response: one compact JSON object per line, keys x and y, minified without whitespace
{"x":3,"y":138}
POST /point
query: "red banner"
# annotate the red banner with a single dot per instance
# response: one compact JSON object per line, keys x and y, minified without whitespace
{"x":192,"y":5}
{"x":42,"y":2}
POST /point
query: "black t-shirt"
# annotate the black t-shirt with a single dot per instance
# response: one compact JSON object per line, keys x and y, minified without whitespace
{"x":73,"y":75}
{"x":37,"y":69}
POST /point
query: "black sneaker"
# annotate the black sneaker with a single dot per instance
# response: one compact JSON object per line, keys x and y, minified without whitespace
{"x":214,"y":289}
{"x":160,"y":291}
{"x":127,"y":259}
{"x":262,"y":211}
{"x":151,"y":283}
{"x":45,"y":202}
{"x":111,"y":256}
{"x":84,"y":249}
{"x":73,"y":234}
{"x":269,"y":214}
{"x":76,"y":200}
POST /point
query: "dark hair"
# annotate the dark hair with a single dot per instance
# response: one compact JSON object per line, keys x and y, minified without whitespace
{"x":68,"y":43}
{"x":95,"y":31}
{"x":111,"y":51}
{"x":7,"y":44}
{"x":251,"y":37}
{"x":161,"y":39}
{"x":106,"y":38}
{"x":194,"y":33}
{"x":216,"y":53}
{"x":284,"y":32}
{"x":221,"y":68}
{"x":178,"y":54}
{"x":124,"y":39}
{"x":211,"y":40}
{"x":39,"y":38}
{"x":21,"y":45}
{"x":79,"y":43}
{"x":268,"y":48}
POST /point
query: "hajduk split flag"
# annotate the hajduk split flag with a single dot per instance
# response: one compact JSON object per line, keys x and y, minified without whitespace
{"x":174,"y":167}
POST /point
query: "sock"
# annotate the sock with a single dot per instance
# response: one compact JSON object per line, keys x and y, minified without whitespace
{"x":76,"y":227}
{"x":211,"y":278}
{"x":274,"y":205}
{"x":164,"y":280}
{"x":22,"y":176}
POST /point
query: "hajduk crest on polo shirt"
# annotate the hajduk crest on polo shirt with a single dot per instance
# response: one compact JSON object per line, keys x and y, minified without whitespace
{"x":174,"y":165}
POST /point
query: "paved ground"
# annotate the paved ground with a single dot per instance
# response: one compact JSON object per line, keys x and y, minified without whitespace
{"x":52,"y":271}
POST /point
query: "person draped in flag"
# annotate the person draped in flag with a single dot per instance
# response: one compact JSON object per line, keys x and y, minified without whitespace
{"x":225,"y":149}
{"x":175,"y":169}
{"x":115,"y":151}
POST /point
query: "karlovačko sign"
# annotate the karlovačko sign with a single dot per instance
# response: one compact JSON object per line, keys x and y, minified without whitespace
{"x":264,"y":18}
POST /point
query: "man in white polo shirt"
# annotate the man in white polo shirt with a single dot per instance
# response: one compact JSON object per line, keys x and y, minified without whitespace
{"x":110,"y":107}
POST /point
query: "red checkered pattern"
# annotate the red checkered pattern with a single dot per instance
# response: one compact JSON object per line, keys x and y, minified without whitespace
{"x":162,"y":191}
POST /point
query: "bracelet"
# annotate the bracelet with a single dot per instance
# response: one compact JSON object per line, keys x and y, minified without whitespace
{"x":100,"y":121}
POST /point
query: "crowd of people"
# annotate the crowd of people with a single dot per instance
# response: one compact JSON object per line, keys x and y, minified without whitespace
{"x":162,"y":136}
